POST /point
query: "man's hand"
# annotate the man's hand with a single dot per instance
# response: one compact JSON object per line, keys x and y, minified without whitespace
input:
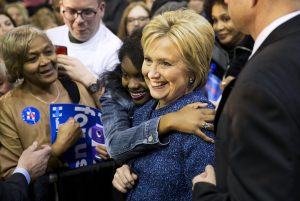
{"x":207,"y":176}
{"x":35,"y":159}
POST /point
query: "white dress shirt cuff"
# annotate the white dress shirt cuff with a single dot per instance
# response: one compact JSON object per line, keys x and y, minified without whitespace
{"x":24,"y":172}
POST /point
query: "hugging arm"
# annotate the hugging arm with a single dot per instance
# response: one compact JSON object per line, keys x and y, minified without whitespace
{"x":124,"y":142}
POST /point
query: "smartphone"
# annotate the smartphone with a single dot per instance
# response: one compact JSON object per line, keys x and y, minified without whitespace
{"x":59,"y":49}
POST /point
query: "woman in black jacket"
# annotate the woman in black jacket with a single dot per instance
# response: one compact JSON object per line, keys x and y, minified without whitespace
{"x":233,"y":46}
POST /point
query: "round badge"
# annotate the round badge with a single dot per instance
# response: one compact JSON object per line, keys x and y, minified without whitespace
{"x":30,"y":115}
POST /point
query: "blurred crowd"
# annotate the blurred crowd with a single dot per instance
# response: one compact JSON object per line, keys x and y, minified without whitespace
{"x":196,"y":96}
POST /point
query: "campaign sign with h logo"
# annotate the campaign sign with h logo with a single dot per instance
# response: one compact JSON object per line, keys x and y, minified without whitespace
{"x":83,"y":152}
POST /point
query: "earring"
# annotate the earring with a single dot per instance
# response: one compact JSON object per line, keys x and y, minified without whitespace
{"x":191,"y":81}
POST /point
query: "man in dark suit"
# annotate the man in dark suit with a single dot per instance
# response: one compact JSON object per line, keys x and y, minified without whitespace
{"x":32,"y":163}
{"x":258,"y":134}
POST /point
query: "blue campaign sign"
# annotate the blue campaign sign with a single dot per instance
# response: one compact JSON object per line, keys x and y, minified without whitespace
{"x":213,"y":84}
{"x":213,"y":87}
{"x":83,"y":152}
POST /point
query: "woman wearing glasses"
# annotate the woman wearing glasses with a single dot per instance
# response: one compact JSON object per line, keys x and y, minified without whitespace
{"x":135,"y":16}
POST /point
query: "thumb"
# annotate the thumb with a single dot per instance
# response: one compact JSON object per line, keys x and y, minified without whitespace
{"x":46,"y":148}
{"x":134,"y":176}
{"x":34,"y":146}
{"x":209,"y":169}
{"x":71,"y":119}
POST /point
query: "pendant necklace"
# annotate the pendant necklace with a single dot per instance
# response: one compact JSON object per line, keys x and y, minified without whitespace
{"x":41,"y":100}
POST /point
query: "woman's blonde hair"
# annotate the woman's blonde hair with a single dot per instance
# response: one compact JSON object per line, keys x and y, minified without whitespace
{"x":122,"y":30}
{"x":44,"y":19}
{"x":22,"y":9}
{"x":191,"y":33}
{"x":14,"y":48}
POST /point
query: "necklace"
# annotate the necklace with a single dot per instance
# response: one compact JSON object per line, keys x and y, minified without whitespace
{"x":41,"y":100}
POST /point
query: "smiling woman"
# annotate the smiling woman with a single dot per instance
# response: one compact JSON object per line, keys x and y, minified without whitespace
{"x":233,"y":44}
{"x":126,"y":90}
{"x":177,"y":50}
{"x":29,"y":55}
{"x":223,"y":26}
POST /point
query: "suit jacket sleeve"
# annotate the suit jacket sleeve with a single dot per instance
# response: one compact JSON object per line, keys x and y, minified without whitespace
{"x":15,"y":188}
{"x":261,"y":150}
{"x":257,"y":142}
{"x":207,"y":192}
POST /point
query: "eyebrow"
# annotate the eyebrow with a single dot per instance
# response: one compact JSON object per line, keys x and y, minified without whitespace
{"x":35,"y":51}
{"x":88,"y":8}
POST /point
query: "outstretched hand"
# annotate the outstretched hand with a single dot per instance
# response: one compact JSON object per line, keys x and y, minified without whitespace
{"x":35,"y":159}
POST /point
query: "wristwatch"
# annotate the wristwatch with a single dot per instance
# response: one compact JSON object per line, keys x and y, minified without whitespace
{"x":94,"y":87}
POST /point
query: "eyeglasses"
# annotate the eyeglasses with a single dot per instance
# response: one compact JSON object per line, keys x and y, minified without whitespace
{"x":138,"y":19}
{"x":72,"y":14}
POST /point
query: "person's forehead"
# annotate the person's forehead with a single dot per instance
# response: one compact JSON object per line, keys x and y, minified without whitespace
{"x":80,"y":3}
{"x":13,"y":9}
{"x":38,"y":42}
{"x":137,"y":11}
{"x":4,"y":18}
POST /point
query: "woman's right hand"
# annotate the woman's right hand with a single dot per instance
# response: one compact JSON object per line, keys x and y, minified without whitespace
{"x":74,"y":69}
{"x":190,"y":119}
{"x":102,"y":151}
{"x":124,"y":179}
{"x":68,"y":134}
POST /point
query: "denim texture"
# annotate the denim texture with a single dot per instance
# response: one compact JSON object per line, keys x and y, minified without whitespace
{"x":123,"y":141}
